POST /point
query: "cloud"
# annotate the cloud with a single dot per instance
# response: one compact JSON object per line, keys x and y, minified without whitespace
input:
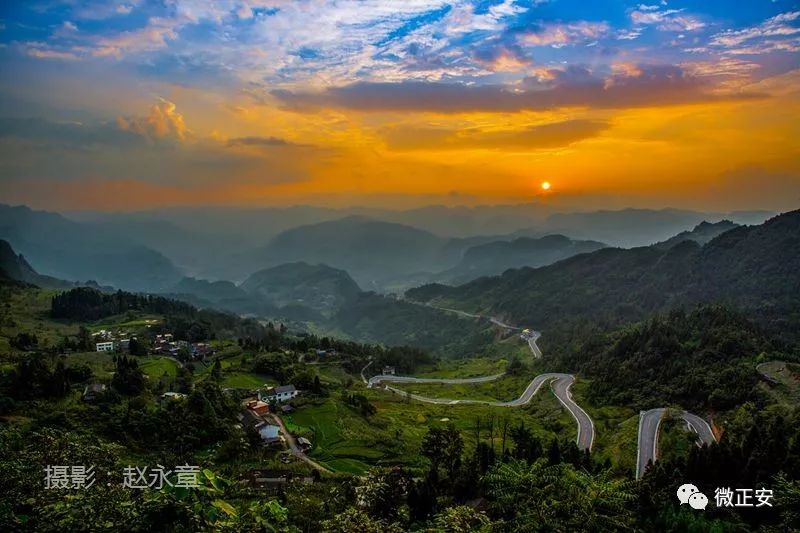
{"x":72,"y":135}
{"x":558,"y":34}
{"x":534,"y":137}
{"x":665,"y":19}
{"x":649,"y":85}
{"x":163,"y":122}
{"x":778,"y":33}
{"x":263,"y":142}
{"x":154,"y":36}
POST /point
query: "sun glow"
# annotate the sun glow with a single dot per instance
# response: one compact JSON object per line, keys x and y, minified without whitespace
{"x":545,"y":185}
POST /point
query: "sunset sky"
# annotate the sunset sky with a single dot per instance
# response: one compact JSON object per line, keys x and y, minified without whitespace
{"x":399,"y":103}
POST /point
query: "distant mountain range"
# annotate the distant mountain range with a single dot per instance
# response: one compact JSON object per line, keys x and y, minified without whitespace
{"x":496,"y":257}
{"x":701,"y":234}
{"x":640,"y":227}
{"x":15,"y":268}
{"x":386,"y":256}
{"x":755,"y":268}
{"x":72,"y":251}
{"x":230,"y":244}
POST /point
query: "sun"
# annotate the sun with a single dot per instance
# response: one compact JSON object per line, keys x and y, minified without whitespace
{"x":545,"y":185}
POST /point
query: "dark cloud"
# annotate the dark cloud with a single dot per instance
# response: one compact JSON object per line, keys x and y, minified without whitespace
{"x":642,"y":86}
{"x":66,"y":134}
{"x":262,"y":141}
{"x":542,"y":136}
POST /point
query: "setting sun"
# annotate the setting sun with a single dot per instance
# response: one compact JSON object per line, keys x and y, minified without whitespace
{"x":545,"y":185}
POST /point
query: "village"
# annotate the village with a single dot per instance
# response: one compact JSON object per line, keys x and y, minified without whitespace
{"x":163,"y":343}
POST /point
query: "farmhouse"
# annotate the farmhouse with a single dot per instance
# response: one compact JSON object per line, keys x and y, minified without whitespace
{"x":258,"y":407}
{"x":278,"y":394}
{"x":270,"y":435}
{"x":107,"y":346}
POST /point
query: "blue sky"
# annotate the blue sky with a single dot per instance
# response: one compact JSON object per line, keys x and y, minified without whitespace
{"x":279,"y":42}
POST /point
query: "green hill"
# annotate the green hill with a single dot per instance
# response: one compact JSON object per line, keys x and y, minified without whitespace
{"x":754,"y":268}
{"x":320,"y":288}
{"x":495,"y":257}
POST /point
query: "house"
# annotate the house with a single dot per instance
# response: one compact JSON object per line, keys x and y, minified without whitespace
{"x":107,"y":346}
{"x":249,"y":419}
{"x":173,"y":396}
{"x":287,"y":409}
{"x":258,"y":407}
{"x":278,"y":394}
{"x":388,"y":371}
{"x":93,"y":391}
{"x":304,"y":444}
{"x":270,"y":434}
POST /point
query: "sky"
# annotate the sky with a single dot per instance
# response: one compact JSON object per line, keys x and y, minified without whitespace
{"x":400,"y":103}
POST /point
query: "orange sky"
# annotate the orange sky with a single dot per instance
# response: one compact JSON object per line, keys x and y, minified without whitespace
{"x":717,"y":131}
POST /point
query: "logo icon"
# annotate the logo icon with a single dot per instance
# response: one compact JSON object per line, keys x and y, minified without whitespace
{"x":688,"y":493}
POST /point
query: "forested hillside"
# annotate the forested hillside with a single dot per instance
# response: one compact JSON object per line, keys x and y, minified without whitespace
{"x":701,"y":360}
{"x":754,"y":268}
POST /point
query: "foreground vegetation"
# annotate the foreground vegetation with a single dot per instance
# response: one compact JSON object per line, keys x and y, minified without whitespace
{"x":395,"y":464}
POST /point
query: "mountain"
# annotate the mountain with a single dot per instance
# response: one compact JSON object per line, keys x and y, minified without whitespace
{"x":701,"y":234}
{"x":495,"y":257}
{"x":320,"y":288}
{"x":69,"y":250}
{"x":755,"y":268}
{"x":639,"y":227}
{"x":375,"y":253}
{"x":14,"y":267}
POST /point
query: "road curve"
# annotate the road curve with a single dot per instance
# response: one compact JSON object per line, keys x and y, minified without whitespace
{"x":560,"y":385}
{"x":649,"y":424}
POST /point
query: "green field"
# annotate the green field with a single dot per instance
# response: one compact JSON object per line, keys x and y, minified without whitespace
{"x":245,"y":380}
{"x":27,"y":310}
{"x":346,"y":441}
{"x":463,"y":368}
{"x":156,"y":367}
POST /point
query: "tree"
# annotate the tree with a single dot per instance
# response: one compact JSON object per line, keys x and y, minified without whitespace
{"x":355,"y":521}
{"x":560,"y":498}
{"x":462,"y":519}
{"x":381,"y":493}
{"x":443,"y":448}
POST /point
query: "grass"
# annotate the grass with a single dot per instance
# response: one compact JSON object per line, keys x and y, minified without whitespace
{"x":463,"y":368}
{"x":245,"y":380}
{"x":130,"y":320}
{"x":101,"y":363}
{"x":158,"y":366}
{"x":502,"y":389}
{"x":346,"y":441}
{"x":26,"y":310}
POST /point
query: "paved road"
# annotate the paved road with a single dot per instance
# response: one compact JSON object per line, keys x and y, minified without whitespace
{"x":649,"y":421}
{"x":649,"y":424}
{"x":537,"y":352}
{"x":560,"y":386}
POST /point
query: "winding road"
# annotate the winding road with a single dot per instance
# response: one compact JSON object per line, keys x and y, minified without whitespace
{"x":560,"y":384}
{"x":649,"y":424}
